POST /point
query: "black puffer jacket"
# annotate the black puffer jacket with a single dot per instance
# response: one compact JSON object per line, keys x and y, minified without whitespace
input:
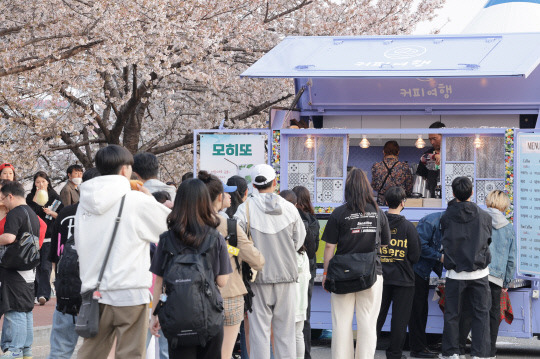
{"x":466,"y":235}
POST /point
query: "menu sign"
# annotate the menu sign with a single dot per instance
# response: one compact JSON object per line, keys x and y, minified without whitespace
{"x":528,"y":203}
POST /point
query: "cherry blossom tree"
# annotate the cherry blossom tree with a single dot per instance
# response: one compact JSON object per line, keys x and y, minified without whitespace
{"x":79,"y":74}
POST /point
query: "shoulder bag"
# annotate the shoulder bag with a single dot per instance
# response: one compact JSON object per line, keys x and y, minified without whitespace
{"x":353,"y":272}
{"x":23,"y":254}
{"x":88,"y":319}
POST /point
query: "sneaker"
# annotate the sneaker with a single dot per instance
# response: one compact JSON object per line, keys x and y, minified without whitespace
{"x":36,"y":301}
{"x":42,"y":300}
{"x":455,"y":356}
{"x":11,"y":355}
{"x":25,"y":357}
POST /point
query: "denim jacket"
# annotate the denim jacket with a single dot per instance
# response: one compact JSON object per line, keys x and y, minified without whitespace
{"x":429,"y":232}
{"x":502,"y":247}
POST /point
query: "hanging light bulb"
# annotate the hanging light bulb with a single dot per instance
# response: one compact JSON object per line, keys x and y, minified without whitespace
{"x":364,"y":143}
{"x":310,"y":142}
{"x":477,"y":141}
{"x":420,"y":143}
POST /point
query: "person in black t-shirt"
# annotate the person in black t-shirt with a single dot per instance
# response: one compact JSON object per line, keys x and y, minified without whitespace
{"x":397,"y":263}
{"x":352,"y":227}
{"x":17,"y":287}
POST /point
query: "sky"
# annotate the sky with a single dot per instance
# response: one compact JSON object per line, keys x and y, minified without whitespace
{"x":452,"y":18}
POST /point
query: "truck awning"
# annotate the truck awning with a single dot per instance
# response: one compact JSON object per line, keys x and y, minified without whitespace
{"x":425,"y":56}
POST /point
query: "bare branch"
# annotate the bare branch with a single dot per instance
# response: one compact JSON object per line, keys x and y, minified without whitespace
{"x":258,"y":109}
{"x":77,"y":145}
{"x":76,"y":101}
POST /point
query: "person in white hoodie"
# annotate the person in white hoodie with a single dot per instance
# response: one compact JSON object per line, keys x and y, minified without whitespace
{"x":126,"y":281}
{"x":277,"y":232}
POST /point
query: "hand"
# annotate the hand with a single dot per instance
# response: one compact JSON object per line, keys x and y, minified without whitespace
{"x":442,"y":258}
{"x":50,"y":212}
{"x":154,"y":325}
{"x":437,"y":157}
{"x":143,"y":189}
{"x":504,"y":290}
{"x":324,"y":280}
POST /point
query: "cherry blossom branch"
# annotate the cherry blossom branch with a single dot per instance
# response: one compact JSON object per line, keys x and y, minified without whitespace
{"x":49,"y":59}
{"x":286,"y":12}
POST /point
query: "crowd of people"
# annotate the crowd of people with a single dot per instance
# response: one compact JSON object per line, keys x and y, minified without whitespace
{"x":204,"y":264}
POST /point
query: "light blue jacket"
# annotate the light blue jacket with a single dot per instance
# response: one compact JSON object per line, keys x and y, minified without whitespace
{"x":502,"y":248}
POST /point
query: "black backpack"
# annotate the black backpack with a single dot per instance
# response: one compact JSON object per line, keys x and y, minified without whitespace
{"x":192,"y":313}
{"x":245,"y":269}
{"x":68,"y":281}
{"x":312,"y":233}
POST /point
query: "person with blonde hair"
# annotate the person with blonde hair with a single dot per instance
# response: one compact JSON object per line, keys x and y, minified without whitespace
{"x":502,"y":266}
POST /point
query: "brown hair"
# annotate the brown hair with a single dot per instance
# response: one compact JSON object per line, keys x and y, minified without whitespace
{"x":391,"y":148}
{"x":303,"y":201}
{"x":358,"y":191}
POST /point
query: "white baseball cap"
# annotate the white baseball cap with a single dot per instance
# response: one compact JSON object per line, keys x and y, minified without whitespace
{"x":265,"y":171}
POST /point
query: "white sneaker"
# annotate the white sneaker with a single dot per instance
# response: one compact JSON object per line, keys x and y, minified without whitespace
{"x":455,"y":356}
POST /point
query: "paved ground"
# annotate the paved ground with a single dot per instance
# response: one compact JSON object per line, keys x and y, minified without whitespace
{"x":509,"y":348}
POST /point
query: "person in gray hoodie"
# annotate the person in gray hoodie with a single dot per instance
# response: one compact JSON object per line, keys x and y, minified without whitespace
{"x":146,"y":167}
{"x":501,"y":268}
{"x":277,"y":232}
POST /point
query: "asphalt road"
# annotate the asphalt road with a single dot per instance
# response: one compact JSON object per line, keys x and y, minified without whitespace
{"x":507,"y":348}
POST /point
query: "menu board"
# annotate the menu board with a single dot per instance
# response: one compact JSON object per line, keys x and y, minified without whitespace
{"x":527,"y":170}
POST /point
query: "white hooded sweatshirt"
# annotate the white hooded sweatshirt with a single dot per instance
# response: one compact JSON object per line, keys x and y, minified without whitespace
{"x":127,"y":277}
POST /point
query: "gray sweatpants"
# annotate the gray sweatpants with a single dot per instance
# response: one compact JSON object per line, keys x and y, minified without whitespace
{"x":273,"y":307}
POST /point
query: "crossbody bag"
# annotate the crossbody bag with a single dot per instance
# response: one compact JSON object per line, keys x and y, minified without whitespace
{"x":88,"y":319}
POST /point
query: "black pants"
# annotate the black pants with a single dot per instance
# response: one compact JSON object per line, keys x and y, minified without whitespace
{"x":419,"y":315}
{"x":478,"y":293}
{"x":43,"y":273}
{"x":401,"y":299}
{"x":494,"y":320}
{"x":212,"y":350}
{"x":307,"y":323}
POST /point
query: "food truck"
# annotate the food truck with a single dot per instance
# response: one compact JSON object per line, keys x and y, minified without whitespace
{"x":356,"y":93}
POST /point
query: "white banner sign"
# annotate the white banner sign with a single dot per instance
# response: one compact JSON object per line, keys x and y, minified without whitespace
{"x":227,"y":155}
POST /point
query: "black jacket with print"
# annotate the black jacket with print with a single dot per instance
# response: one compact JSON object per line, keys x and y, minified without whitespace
{"x":402,"y":252}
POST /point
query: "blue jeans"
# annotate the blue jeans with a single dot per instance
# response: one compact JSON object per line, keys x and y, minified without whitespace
{"x":163,"y":344}
{"x":18,"y":333}
{"x":63,"y":336}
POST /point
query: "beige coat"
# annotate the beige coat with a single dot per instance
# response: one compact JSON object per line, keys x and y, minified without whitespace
{"x":248,"y":253}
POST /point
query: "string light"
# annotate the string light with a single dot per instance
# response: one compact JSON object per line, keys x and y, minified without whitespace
{"x":310,"y":142}
{"x":477,"y":141}
{"x":364,"y":143}
{"x":420,"y":143}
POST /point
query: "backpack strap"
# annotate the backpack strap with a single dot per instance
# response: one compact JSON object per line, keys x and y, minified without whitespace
{"x":232,"y":237}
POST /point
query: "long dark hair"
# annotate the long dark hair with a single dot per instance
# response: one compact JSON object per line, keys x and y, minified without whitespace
{"x":238,"y":195}
{"x":50,"y":188}
{"x":192,"y":213}
{"x":358,"y":191}
{"x":303,"y":199}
